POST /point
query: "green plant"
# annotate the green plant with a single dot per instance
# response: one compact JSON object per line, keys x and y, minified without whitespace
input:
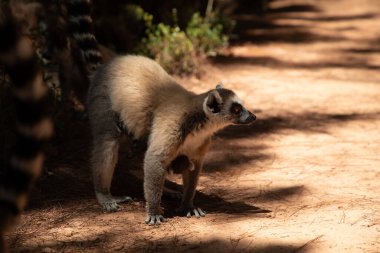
{"x":207,"y":36}
{"x":180,"y":51}
{"x":169,"y":46}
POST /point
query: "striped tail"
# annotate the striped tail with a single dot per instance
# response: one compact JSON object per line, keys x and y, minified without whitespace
{"x":33,"y":124}
{"x":82,"y":31}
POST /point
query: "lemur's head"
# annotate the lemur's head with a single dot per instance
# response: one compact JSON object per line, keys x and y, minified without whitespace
{"x":224,"y":106}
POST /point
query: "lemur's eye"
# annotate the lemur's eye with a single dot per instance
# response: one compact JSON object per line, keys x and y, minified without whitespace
{"x":236,"y":108}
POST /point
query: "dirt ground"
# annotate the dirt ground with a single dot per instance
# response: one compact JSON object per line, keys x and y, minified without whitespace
{"x":303,"y":178}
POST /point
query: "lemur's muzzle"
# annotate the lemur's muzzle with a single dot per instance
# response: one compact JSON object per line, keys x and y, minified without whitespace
{"x":247,"y":117}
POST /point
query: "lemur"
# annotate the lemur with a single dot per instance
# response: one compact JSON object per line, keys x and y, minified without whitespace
{"x":33,"y":124}
{"x":134,"y":95}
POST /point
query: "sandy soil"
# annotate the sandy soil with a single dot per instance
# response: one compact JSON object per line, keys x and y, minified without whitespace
{"x":304,"y":178}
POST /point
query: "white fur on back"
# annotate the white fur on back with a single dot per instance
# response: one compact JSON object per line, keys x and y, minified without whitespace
{"x":135,"y":87}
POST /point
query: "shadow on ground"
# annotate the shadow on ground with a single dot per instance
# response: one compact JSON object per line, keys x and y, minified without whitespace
{"x":107,"y":242}
{"x":223,"y":160}
{"x":347,"y":61}
{"x":277,"y":194}
{"x":261,"y":24}
{"x":307,"y":122}
{"x":370,"y":47}
{"x":242,"y":244}
{"x":262,"y":7}
{"x":95,"y":244}
{"x":296,"y":24}
{"x":267,"y":30}
{"x":69,"y":178}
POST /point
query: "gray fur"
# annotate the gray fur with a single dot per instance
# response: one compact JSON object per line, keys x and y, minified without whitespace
{"x":151,"y":105}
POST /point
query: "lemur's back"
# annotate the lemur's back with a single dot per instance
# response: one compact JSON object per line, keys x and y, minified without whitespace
{"x":134,"y":87}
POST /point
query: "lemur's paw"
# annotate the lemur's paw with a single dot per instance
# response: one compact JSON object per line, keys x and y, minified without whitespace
{"x":110,"y":207}
{"x":110,"y":203}
{"x":191,"y":211}
{"x":154,"y":219}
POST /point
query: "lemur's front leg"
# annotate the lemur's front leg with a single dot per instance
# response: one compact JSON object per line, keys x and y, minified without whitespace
{"x":157,"y":158}
{"x":154,"y":177}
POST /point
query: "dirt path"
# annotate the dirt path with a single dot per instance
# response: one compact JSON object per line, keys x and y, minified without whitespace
{"x":312,"y":159}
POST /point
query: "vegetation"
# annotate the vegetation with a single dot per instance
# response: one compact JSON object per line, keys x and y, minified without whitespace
{"x":179,"y":34}
{"x":180,"y":50}
{"x":174,"y":33}
{"x":169,"y":45}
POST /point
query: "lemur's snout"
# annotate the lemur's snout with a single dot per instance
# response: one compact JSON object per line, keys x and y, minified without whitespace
{"x":247,"y":117}
{"x":251,"y":117}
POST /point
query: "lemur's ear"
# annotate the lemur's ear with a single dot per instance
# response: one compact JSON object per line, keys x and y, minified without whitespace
{"x":219,"y":86}
{"x":214,"y":101}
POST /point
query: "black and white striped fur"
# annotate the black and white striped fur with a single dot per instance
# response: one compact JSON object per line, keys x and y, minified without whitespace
{"x":82,"y":31}
{"x":33,"y":125}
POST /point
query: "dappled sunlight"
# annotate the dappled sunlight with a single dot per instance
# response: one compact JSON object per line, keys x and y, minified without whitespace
{"x":72,"y":239}
{"x":302,"y":178}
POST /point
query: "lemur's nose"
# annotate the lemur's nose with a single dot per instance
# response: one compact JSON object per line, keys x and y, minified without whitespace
{"x":252,"y":117}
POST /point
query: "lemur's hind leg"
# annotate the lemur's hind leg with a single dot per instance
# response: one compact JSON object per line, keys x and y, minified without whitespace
{"x":190,"y":182}
{"x":104,"y":158}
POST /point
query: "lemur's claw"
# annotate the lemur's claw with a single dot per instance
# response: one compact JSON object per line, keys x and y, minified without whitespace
{"x":188,"y":212}
{"x":155,"y":219}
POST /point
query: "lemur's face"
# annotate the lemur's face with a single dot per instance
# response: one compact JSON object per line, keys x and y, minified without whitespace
{"x":224,"y":105}
{"x":240,"y":115}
